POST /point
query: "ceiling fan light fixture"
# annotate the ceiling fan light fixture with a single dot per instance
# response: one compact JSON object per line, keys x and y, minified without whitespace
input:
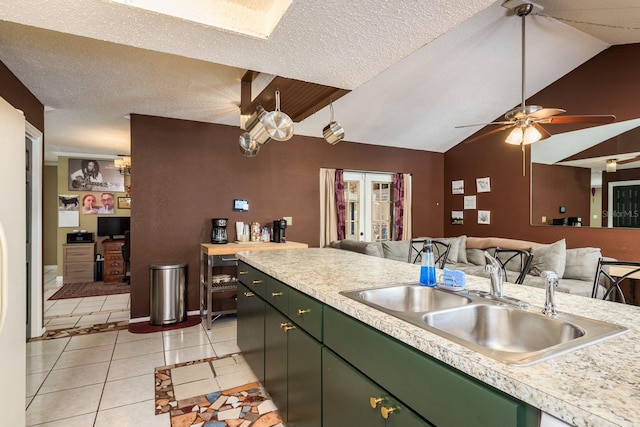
{"x":515,"y":136}
{"x":531,"y":135}
{"x":612,"y":165}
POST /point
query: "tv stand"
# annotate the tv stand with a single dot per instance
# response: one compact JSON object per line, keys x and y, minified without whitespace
{"x":113,"y":261}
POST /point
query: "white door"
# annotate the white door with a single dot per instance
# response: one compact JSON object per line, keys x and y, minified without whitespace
{"x":369,"y":206}
{"x":12,"y":266}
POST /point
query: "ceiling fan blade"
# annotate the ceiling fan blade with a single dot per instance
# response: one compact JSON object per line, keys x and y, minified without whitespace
{"x":631,"y":160}
{"x":485,"y":124}
{"x":579,"y":119}
{"x":475,"y":138}
{"x":542,"y":131}
{"x":546,"y":112}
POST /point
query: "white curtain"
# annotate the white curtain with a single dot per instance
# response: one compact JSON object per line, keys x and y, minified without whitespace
{"x":328,"y":210}
{"x":406,"y":218}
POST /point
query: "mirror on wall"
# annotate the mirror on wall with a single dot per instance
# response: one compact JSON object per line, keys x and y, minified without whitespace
{"x":588,"y":178}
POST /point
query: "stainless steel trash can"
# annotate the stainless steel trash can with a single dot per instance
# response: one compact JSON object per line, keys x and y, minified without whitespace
{"x":168,"y":288}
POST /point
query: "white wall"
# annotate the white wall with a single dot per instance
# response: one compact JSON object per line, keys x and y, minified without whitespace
{"x":12,"y":266}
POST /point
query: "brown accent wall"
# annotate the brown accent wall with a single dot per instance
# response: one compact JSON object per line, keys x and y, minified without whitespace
{"x":607,"y":84}
{"x":554,"y":186}
{"x":17,"y":94}
{"x":185,"y":173}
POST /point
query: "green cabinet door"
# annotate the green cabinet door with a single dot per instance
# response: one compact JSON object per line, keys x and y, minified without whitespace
{"x":348,"y":398}
{"x":275,"y":357}
{"x":304,"y":379}
{"x":250,"y":333}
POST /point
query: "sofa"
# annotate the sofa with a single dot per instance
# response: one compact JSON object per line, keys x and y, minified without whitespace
{"x":575,"y":267}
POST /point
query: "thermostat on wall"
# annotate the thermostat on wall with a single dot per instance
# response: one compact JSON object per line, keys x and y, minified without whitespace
{"x":240,"y":205}
{"x":562,"y":209}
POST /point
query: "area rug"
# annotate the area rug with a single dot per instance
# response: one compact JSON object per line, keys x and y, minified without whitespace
{"x":146,"y":327}
{"x":247,"y":405}
{"x":90,"y":289}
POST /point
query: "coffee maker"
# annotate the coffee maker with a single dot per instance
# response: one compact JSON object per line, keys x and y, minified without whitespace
{"x":277,"y":232}
{"x":219,"y":230}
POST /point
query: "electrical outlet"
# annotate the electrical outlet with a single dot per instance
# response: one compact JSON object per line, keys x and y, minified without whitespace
{"x":544,"y":219}
{"x":289,"y":220}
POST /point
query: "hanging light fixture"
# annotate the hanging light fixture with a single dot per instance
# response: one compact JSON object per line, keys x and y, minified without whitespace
{"x":612,"y":165}
{"x":123,"y":165}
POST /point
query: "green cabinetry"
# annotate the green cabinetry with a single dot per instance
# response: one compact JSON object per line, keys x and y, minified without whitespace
{"x":351,"y":399}
{"x":250,"y":313}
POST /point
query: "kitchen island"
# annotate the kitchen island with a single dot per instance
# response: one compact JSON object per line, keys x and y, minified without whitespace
{"x":594,"y":386}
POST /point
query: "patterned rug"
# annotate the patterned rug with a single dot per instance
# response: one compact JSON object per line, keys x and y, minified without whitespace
{"x":90,"y":289}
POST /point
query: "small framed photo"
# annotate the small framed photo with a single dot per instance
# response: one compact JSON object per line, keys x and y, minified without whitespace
{"x":484,"y":217}
{"x":457,"y":217}
{"x":469,"y":202}
{"x":457,"y":187}
{"x":483,"y":185}
{"x":124,"y":202}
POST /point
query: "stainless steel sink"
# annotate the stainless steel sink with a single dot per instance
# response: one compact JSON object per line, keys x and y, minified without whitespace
{"x":410,"y":298}
{"x":503,"y":331}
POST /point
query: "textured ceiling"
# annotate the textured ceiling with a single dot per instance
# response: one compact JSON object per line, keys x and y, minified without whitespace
{"x":416,"y":69}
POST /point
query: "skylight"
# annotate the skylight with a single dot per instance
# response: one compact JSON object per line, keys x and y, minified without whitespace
{"x":256,"y":18}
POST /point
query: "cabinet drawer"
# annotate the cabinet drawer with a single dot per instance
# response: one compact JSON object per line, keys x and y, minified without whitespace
{"x":113,"y":263}
{"x":224,"y":261}
{"x":77,"y":252}
{"x":113,"y":271}
{"x":277,"y":294}
{"x":253,"y":279}
{"x":442,"y":395}
{"x":306,"y":312}
{"x":110,"y":256}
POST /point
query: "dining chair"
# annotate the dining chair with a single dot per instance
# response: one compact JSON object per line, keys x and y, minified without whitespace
{"x":440,"y":251}
{"x":615,"y":272}
{"x":513,"y":257}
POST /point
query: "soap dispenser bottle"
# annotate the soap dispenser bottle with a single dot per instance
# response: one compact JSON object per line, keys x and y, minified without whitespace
{"x":427,"y":266}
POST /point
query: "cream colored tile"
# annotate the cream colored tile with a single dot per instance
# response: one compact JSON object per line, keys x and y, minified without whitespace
{"x":134,"y":415}
{"x":230,"y":369}
{"x":79,"y":376}
{"x":126,"y":336}
{"x":188,"y":354}
{"x":41,"y":363}
{"x":93,"y":319}
{"x":63,"y":404}
{"x":235,"y":379}
{"x":119,"y":316}
{"x":79,"y":421}
{"x":56,"y":346}
{"x":59,"y":322}
{"x":92,"y":340}
{"x":127,"y":391}
{"x":189,"y":373}
{"x":186,"y":339}
{"x":226,"y":348}
{"x":84,"y":356}
{"x":34,"y":381}
{"x":179,"y":331}
{"x":136,"y":348}
{"x":135,"y":366}
{"x":223,"y":334}
{"x":224,"y":361}
{"x":195,"y":388}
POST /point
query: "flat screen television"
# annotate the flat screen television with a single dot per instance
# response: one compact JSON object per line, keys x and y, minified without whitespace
{"x":113,"y":226}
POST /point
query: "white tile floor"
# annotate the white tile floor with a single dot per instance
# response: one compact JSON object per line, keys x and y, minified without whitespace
{"x":67,"y":313}
{"x":107,"y":379}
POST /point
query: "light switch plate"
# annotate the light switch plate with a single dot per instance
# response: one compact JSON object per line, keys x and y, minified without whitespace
{"x":289,"y":220}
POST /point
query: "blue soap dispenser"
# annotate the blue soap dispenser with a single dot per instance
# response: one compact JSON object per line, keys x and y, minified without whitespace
{"x":427,"y":266}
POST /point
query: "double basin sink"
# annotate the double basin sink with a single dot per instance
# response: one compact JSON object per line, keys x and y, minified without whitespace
{"x":508,"y":331}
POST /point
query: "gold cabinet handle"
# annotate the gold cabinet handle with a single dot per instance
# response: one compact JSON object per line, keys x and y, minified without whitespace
{"x":276,"y":294}
{"x":256,"y":282}
{"x":386,"y":411}
{"x":249,"y":294}
{"x":373,"y":401}
{"x":286,"y":327}
{"x":303,"y":311}
{"x":243,"y":272}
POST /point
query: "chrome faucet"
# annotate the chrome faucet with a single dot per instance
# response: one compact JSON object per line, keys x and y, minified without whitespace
{"x":549,"y":309}
{"x":496,"y":273}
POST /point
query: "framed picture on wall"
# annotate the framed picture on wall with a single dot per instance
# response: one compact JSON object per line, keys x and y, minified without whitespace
{"x":124,"y":202}
{"x":94,"y":175}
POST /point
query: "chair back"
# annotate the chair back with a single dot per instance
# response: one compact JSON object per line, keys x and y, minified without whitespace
{"x":514,"y":256}
{"x":440,"y":251}
{"x":615,"y":272}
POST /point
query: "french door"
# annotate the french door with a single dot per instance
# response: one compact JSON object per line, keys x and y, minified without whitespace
{"x":369,"y":206}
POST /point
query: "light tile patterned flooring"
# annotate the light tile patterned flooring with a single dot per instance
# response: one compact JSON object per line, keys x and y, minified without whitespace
{"x":107,"y":378}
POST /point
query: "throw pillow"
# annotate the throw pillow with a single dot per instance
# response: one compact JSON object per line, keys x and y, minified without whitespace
{"x":367,"y":248}
{"x":397,"y":250}
{"x":476,"y":257}
{"x":452,"y":258}
{"x":462,"y":252}
{"x":582,"y":263}
{"x":549,"y":258}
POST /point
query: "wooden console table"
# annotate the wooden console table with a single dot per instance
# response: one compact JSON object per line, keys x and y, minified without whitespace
{"x":222,"y":255}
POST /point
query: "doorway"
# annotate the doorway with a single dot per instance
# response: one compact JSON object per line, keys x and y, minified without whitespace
{"x":369,"y":206}
{"x":34,"y":287}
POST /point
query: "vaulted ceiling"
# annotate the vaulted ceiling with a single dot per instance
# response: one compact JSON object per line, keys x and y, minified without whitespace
{"x":414,"y":69}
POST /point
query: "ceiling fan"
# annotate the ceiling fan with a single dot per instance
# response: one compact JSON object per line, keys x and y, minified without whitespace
{"x":525,"y":120}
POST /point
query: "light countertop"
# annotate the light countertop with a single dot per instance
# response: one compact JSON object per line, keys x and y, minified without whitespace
{"x":595,"y":386}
